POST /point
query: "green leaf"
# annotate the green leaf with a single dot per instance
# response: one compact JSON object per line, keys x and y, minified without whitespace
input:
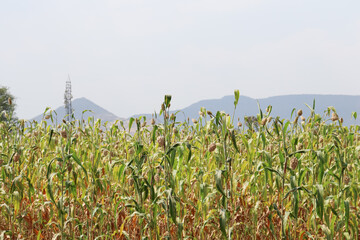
{"x":131,"y":121}
{"x":354,"y":115}
{"x":218,"y":181}
{"x":172,"y":148}
{"x":167,"y":100}
{"x":326,"y":230}
{"x":237,"y":95}
{"x":286,"y":217}
{"x":155,"y":128}
{"x":274,"y":171}
{"x":190,"y":153}
{"x":320,"y":201}
{"x":49,"y":188}
{"x":291,"y":191}
{"x":347,"y":214}
{"x":51,"y":134}
{"x":172,"y":206}
{"x":152,"y":190}
{"x":77,"y":160}
{"x":222,"y":221}
{"x":300,"y":151}
{"x":233,"y":140}
{"x":277,"y":211}
{"x":313,"y":104}
{"x":39,"y":235}
{"x":285,"y":128}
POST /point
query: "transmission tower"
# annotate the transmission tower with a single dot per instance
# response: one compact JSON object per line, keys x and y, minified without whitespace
{"x":67,"y":100}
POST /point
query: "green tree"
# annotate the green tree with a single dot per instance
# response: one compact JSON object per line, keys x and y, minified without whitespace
{"x":7,"y":105}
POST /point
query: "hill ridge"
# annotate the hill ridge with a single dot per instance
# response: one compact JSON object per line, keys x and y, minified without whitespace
{"x":282,"y":105}
{"x":79,"y":105}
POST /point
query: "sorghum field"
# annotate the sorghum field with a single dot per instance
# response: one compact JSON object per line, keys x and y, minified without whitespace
{"x":209,"y":178}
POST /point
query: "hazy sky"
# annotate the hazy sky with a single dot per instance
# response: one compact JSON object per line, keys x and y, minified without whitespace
{"x":126,"y":55}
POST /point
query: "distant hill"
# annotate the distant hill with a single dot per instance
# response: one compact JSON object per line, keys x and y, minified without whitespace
{"x":79,"y":105}
{"x":282,"y":106}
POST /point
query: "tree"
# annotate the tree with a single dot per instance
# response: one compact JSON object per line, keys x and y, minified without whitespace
{"x":7,"y":105}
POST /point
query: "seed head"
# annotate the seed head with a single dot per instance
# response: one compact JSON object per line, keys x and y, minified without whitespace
{"x":16,"y":157}
{"x":332,"y":203}
{"x":212,"y":147}
{"x":271,"y":147}
{"x":341,"y":120}
{"x":157,"y":178}
{"x":69,"y":167}
{"x":22,"y":122}
{"x":47,"y":117}
{"x":63,"y":134}
{"x":143,"y":124}
{"x":131,"y":151}
{"x":131,"y":181}
{"x":346,"y":179}
{"x":194,"y":121}
{"x":239,"y":124}
{"x":152,"y":121}
{"x":334,"y":117}
{"x":293,"y":163}
{"x":299,"y":146}
{"x":175,"y":130}
{"x":209,"y":113}
{"x":161,"y":141}
{"x":268,"y":108}
{"x":263,"y":121}
{"x":190,"y":137}
{"x":296,"y":119}
{"x":9,"y":101}
{"x":299,"y":113}
{"x":302,"y":118}
{"x":201,"y":114}
{"x":106,"y":152}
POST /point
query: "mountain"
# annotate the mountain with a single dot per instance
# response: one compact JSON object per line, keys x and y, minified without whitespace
{"x":282,"y":106}
{"x":79,"y":105}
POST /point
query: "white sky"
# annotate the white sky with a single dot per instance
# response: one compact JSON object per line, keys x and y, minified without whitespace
{"x":126,"y":55}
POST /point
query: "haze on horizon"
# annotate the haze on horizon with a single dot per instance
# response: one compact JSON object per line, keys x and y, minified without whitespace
{"x":126,"y":55}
